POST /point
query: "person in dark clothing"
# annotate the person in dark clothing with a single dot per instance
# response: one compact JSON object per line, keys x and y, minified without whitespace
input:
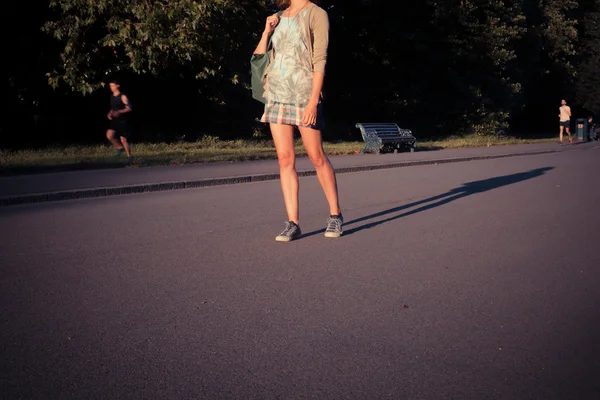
{"x":592,"y":127}
{"x":118,"y":127}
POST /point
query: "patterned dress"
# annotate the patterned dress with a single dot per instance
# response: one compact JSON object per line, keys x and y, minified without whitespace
{"x":288,"y":84}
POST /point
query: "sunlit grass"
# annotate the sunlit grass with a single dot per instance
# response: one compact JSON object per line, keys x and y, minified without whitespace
{"x":209,"y":149}
{"x":454,"y":142}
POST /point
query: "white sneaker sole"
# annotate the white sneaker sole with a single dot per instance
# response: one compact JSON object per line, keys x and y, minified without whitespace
{"x":287,"y":238}
{"x":332,"y":234}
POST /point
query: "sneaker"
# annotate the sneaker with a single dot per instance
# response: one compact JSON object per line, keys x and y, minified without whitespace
{"x":129,"y":160}
{"x":570,"y":141}
{"x":119,"y":152}
{"x":291,"y":232}
{"x":334,"y":226}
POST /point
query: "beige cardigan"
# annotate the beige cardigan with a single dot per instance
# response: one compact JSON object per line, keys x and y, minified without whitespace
{"x":315,"y":24}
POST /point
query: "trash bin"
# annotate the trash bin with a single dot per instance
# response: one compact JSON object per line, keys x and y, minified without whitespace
{"x":581,"y":129}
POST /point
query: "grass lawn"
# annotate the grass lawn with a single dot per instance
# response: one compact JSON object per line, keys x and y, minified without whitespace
{"x":209,"y":149}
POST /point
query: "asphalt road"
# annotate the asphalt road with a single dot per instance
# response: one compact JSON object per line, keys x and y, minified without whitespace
{"x":476,"y":280}
{"x":117,"y":177}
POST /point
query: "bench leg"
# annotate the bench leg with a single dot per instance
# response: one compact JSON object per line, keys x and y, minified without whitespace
{"x":377,"y":146}
{"x":369,"y":147}
{"x":373,"y":144}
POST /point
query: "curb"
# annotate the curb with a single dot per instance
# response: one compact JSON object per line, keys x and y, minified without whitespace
{"x":176,"y":185}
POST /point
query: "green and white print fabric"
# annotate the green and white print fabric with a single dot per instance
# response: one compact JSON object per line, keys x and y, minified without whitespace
{"x":289,"y":78}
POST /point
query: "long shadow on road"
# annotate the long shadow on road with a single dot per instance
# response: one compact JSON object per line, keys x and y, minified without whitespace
{"x":466,"y":189}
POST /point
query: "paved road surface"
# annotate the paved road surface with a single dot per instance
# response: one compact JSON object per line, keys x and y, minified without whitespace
{"x":475,"y":280}
{"x":73,"y":180}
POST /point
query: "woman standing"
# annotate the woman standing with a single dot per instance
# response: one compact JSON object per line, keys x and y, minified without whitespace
{"x":293,"y":84}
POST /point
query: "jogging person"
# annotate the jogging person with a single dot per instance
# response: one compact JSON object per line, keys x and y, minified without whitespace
{"x":565,"y":120}
{"x":118,"y":116}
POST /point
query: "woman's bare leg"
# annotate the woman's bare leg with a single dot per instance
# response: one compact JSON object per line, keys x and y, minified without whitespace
{"x":314,"y":148}
{"x":283,"y":137}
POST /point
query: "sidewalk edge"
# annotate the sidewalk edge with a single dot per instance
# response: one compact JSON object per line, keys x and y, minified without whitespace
{"x":176,"y":185}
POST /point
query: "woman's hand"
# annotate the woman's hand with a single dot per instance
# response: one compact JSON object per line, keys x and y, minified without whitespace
{"x":272,"y":22}
{"x":310,"y":114}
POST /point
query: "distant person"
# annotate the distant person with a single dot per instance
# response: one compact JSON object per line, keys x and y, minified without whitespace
{"x":565,"y":120}
{"x":293,"y":84}
{"x":592,"y":127}
{"x":118,"y":126}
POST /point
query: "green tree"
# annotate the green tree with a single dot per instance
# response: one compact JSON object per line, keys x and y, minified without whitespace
{"x":560,"y":31}
{"x":588,"y":75}
{"x":546,"y":56}
{"x":446,"y":66}
{"x":443,"y":66}
{"x":484,"y":39}
{"x":193,"y":38}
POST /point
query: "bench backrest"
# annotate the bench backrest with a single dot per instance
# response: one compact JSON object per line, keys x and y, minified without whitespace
{"x":383,"y":130}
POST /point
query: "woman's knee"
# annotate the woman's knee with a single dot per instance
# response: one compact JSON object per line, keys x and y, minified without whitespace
{"x":286,"y":159}
{"x":318,"y":158}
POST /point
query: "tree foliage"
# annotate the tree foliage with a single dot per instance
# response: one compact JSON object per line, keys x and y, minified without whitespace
{"x":453,"y":65}
{"x":560,"y":31}
{"x":102,"y":38}
{"x":443,"y":66}
{"x":588,"y":74}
